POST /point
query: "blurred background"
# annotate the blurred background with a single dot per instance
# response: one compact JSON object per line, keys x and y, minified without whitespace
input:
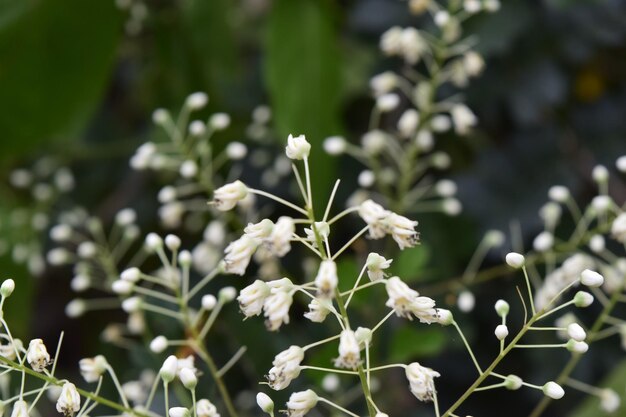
{"x":79,"y":80}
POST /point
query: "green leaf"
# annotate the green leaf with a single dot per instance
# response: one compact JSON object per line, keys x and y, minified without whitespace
{"x":591,"y":406}
{"x":303,"y":75}
{"x":412,"y":342}
{"x":55,"y":59}
{"x":410,"y":262}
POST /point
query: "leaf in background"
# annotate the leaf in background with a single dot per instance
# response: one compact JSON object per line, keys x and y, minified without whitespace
{"x":591,"y":406}
{"x":303,"y":75}
{"x":409,"y":262}
{"x":411,"y":342}
{"x":55,"y":59}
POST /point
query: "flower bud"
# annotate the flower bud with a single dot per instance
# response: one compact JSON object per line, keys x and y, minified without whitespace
{"x":169,"y":368}
{"x":553,"y":390}
{"x":179,"y":412}
{"x":188,"y":378}
{"x":335,"y":145}
{"x":444,"y":317}
{"x":132,"y":304}
{"x":153,"y":241}
{"x":69,"y":400}
{"x":131,"y":275}
{"x":600,"y":174}
{"x":502,"y":308}
{"x":576,"y":332}
{"x":185,"y":258}
{"x":583,"y":299}
{"x":297,"y":147}
{"x":501,"y":332}
{"x":265,"y":402}
{"x":576,"y":347}
{"x":196,"y":101}
{"x":8,"y":285}
{"x":558,"y":193}
{"x":75,"y":308}
{"x":513,"y":382}
{"x":515,"y":260}
{"x":591,"y":278}
{"x":122,"y":287}
{"x":208,"y":302}
{"x":227,"y":294}
{"x":466,"y":301}
{"x":158,"y":344}
{"x":172,"y":242}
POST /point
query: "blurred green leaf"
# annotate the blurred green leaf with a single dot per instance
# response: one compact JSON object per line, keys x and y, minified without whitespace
{"x":411,"y":342}
{"x":303,"y":75}
{"x":347,"y":271}
{"x":55,"y":58}
{"x":410,"y":262}
{"x":591,"y":406}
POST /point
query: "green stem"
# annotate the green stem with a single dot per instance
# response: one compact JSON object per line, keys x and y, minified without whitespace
{"x":83,"y":393}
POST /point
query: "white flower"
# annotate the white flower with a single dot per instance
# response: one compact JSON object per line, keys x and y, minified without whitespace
{"x":543,"y":242}
{"x":169,"y":368}
{"x":383,"y":83}
{"x":227,"y":196}
{"x":238,"y":254}
{"x":501,"y":331}
{"x":158,"y":344}
{"x":197,"y":100}
{"x":373,"y":142}
{"x":236,"y":151}
{"x":300,"y":403}
{"x":406,"y":302}
{"x":188,"y":169}
{"x":408,"y":123}
{"x":349,"y":351}
{"x":387,"y":102}
{"x":204,"y":408}
{"x":7,"y":288}
{"x":277,"y":304}
{"x":553,"y":390}
{"x":265,"y":403}
{"x":618,"y":228}
{"x":609,"y":400}
{"x":515,"y":260}
{"x":335,"y":145}
{"x":402,"y":230}
{"x":421,"y":381}
{"x":466,"y":301}
{"x":297,"y":147}
{"x":92,"y":368}
{"x":188,"y":378}
{"x":591,"y":278}
{"x":286,"y":368}
{"x":279,"y":242}
{"x":69,"y":400}
{"x":366,"y":178}
{"x":412,"y":45}
{"x":463,"y":119}
{"x":473,"y":63}
{"x":20,"y":409}
{"x":391,"y":41}
{"x":326,"y":279}
{"x":318,"y":310}
{"x":376,"y":264}
{"x":252,"y":298}
{"x":37,"y":355}
{"x":219,"y":121}
{"x":179,"y":412}
{"x":373,"y":213}
{"x":185,"y":363}
{"x":322,"y":229}
{"x":260,"y":230}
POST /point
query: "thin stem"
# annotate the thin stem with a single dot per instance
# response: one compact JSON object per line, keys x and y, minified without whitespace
{"x":467,"y":346}
{"x":350,"y":242}
{"x":330,"y":370}
{"x":338,"y":407}
{"x":204,"y":281}
{"x":118,"y":386}
{"x":277,"y":199}
{"x":530,"y":291}
{"x":330,"y":200}
{"x":232,"y":361}
{"x":356,"y":284}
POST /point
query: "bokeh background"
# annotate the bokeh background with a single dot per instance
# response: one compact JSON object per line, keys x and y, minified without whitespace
{"x":79,"y":80}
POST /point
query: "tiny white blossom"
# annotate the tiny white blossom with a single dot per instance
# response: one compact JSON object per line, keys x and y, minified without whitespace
{"x":277,"y":304}
{"x":383,"y":83}
{"x":463,"y":118}
{"x":92,"y":368}
{"x":318,"y":310}
{"x":204,"y":408}
{"x":219,"y":121}
{"x":179,"y":412}
{"x":260,"y":230}
{"x":158,"y":344}
{"x":553,"y":390}
{"x":466,"y":301}
{"x":543,"y":241}
{"x":618,"y":228}
{"x":609,"y":400}
{"x":238,"y":254}
{"x":7,"y":288}
{"x":349,"y":351}
{"x":20,"y":409}
{"x":591,"y":278}
{"x":37,"y":355}
{"x":501,"y":332}
{"x":265,"y":403}
{"x":421,"y":381}
{"x":297,"y":147}
{"x":197,"y":100}
{"x":252,"y":298}
{"x":300,"y":403}
{"x":286,"y":367}
{"x":69,"y":400}
{"x":326,"y":280}
{"x":515,"y":260}
{"x":387,"y":102}
{"x":376,"y":265}
{"x":408,"y":123}
{"x":236,"y":151}
{"x":227,"y":196}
